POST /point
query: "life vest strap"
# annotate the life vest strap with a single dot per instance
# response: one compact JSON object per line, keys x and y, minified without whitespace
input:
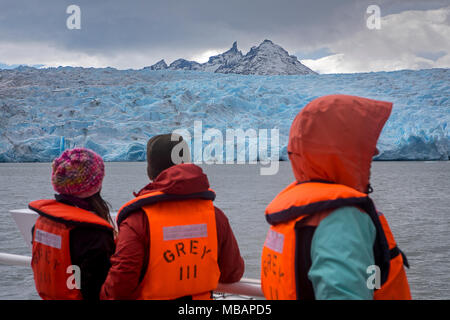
{"x":394,"y":252}
{"x":295,"y":212}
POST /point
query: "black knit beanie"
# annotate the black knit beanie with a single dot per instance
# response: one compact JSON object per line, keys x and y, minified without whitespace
{"x":159,"y":153}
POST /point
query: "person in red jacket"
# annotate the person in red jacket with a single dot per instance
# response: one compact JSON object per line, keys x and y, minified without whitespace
{"x":130,"y":276}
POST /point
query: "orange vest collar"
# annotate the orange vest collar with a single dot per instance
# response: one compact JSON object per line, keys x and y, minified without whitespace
{"x":299,"y":199}
{"x":61,"y":212}
{"x":158,"y":196}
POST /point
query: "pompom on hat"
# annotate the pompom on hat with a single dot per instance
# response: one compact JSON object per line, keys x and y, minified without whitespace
{"x":78,"y":172}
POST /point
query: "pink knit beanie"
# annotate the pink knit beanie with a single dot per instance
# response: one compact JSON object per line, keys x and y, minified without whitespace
{"x":78,"y":172}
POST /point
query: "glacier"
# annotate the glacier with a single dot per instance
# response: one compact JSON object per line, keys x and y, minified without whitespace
{"x":114,"y":112}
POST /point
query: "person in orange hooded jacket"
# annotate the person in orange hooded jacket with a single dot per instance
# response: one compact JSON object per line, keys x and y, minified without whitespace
{"x":326,"y":239}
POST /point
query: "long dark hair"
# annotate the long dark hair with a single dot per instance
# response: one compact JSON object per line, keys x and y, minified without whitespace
{"x":100,"y":207}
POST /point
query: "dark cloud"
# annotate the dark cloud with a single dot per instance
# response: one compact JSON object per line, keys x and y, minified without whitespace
{"x":185,"y":28}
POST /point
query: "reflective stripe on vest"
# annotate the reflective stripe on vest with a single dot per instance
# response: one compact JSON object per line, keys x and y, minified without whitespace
{"x":51,"y":262}
{"x":294,"y":214}
{"x":183,"y":245}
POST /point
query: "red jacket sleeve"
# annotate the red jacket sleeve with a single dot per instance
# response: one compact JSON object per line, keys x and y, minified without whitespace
{"x":129,"y":262}
{"x":129,"y":259}
{"x":231,"y":264}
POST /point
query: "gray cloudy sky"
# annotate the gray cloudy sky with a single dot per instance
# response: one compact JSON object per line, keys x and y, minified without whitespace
{"x":329,"y":36}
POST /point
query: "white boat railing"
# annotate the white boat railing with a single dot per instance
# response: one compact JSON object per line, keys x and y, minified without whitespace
{"x":14,"y":260}
{"x":248,"y":287}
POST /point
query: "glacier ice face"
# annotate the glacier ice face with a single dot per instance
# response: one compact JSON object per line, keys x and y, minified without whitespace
{"x":114,"y":112}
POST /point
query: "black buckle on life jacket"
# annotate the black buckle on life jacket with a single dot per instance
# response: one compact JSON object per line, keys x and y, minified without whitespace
{"x":394,"y":252}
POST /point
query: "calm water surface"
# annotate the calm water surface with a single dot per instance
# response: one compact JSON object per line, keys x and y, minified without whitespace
{"x":414,"y":196}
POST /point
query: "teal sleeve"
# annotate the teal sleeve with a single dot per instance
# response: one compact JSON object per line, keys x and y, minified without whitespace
{"x":341,"y":251}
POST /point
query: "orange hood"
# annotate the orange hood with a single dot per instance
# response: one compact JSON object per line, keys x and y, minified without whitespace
{"x":334,"y":138}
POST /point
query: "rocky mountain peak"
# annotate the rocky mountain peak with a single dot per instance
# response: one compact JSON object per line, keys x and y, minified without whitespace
{"x":266,"y":59}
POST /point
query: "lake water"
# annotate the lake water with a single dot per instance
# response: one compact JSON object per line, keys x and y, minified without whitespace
{"x":414,"y":196}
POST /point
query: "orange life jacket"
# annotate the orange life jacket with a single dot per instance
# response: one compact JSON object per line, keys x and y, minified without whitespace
{"x":183,"y":245}
{"x":51,"y":262}
{"x":294,"y":215}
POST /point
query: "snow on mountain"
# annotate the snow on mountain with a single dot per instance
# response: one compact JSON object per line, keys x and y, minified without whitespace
{"x":266,"y":59}
{"x":182,"y":64}
{"x":228,"y":59}
{"x":160,"y":65}
{"x":114,"y":112}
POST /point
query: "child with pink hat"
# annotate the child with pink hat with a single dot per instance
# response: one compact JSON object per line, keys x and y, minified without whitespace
{"x":74,"y":230}
{"x":78,"y":172}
